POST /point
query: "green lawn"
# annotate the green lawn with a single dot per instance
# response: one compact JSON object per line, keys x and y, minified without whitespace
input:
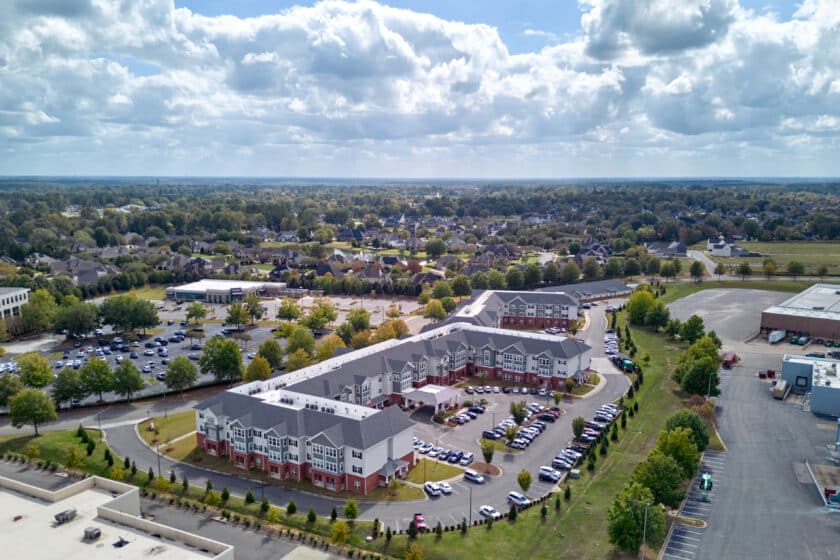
{"x":54,"y":447}
{"x":169,"y":428}
{"x":150,"y":292}
{"x":268,"y":267}
{"x":810,"y":253}
{"x":580,"y":531}
{"x":434,"y":471}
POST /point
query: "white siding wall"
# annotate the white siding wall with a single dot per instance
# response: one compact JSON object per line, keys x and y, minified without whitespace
{"x":374,"y":458}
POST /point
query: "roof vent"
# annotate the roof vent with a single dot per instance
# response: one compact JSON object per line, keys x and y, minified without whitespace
{"x":818,"y":308}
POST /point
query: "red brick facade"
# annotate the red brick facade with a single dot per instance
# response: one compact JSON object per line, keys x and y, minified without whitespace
{"x":534,"y":322}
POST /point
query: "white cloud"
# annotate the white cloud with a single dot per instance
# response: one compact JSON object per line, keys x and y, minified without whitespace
{"x":339,"y":88}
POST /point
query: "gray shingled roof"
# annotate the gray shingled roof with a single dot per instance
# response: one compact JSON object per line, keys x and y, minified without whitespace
{"x":361,"y":434}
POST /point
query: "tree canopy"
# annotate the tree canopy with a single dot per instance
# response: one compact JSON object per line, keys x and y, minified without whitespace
{"x":127,"y":312}
{"x":31,"y":406}
{"x":222,"y":358}
{"x":181,"y":374}
{"x":626,"y":519}
{"x":97,"y":377}
{"x":127,"y":379}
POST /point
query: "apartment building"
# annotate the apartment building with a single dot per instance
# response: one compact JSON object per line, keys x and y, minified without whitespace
{"x":11,"y":300}
{"x":512,"y":309}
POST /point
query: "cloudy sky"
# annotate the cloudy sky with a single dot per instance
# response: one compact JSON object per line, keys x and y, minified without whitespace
{"x":420,"y":88}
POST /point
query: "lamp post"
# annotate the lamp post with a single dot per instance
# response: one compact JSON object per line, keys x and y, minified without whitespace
{"x":99,"y":418}
{"x":157,"y":447}
{"x":470,"y":510}
{"x":165,"y":412}
{"x":644,"y":527}
{"x":709,"y":390}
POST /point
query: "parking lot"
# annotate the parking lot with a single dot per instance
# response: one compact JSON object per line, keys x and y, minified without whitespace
{"x":763,"y":503}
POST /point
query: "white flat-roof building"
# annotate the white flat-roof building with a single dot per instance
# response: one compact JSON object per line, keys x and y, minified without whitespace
{"x":28,"y":527}
{"x":11,"y":300}
{"x":814,"y":312}
{"x":224,"y":291}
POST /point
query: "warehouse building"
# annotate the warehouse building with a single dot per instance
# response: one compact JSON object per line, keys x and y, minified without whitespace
{"x":225,"y":291}
{"x":819,"y":377}
{"x":814,"y":312}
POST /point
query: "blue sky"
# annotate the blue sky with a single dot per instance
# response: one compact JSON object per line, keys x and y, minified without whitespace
{"x":533,"y":88}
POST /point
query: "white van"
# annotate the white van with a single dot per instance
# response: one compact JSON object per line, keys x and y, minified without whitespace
{"x":473,"y":476}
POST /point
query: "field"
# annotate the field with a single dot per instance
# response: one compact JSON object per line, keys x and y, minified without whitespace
{"x":55,"y":447}
{"x":427,"y":469}
{"x":811,"y":254}
{"x":678,"y":290}
{"x":169,"y":428}
{"x":150,"y":292}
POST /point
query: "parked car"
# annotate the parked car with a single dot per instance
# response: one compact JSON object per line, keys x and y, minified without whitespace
{"x":489,"y":434}
{"x":445,"y":488}
{"x":473,"y":476}
{"x":466,"y":459}
{"x":432,"y":489}
{"x":133,"y":356}
{"x":548,"y":474}
{"x":489,"y":511}
{"x":420,"y":522}
{"x":518,"y":499}
{"x":161,"y":377}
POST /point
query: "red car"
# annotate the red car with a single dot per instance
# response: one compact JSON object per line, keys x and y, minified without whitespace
{"x":420,"y":522}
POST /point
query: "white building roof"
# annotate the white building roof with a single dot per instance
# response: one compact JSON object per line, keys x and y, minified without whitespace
{"x":210,"y":285}
{"x":820,"y":301}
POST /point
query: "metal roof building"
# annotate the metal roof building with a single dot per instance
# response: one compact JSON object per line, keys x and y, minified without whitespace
{"x":814,"y":312}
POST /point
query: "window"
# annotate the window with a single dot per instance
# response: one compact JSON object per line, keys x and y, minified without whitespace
{"x":357,"y":470}
{"x":514,"y":362}
{"x":356,"y":484}
{"x":357,"y":454}
{"x":239,"y":432}
{"x":488,"y":358}
{"x":544,"y":366}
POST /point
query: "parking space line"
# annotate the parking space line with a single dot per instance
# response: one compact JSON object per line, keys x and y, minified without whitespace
{"x":669,"y":555}
{"x":685,"y":543}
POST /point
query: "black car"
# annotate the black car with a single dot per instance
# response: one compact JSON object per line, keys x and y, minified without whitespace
{"x":196,"y":346}
{"x":547,"y":418}
{"x":455,"y":456}
{"x":149,"y":345}
{"x":534,"y":391}
{"x":489,"y":434}
{"x":125,"y":348}
{"x":505,"y":389}
{"x":476,"y":409}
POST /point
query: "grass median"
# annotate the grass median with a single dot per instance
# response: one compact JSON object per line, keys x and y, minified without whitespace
{"x":168,"y":428}
{"x":429,"y":470}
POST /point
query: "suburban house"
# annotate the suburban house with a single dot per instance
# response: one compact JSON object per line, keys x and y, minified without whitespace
{"x":667,"y":249}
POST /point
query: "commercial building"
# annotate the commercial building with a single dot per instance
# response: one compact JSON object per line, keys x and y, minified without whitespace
{"x":814,"y":312}
{"x":111,"y":509}
{"x":225,"y":291}
{"x":11,"y":300}
{"x":337,"y":423}
{"x":819,"y":377}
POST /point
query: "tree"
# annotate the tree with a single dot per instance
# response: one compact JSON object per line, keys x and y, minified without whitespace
{"x":291,"y":509}
{"x":686,"y":418}
{"x":744,"y":269}
{"x":31,"y":406}
{"x":77,"y":318}
{"x":181,"y":374}
{"x":225,"y":494}
{"x":524,"y":480}
{"x":249,"y":498}
{"x":510,"y":434}
{"x":487,"y":451}
{"x":273,"y":515}
{"x":301,"y":338}
{"x":692,"y":329}
{"x":323,"y":313}
{"x":551,"y":272}
{"x":532,"y":276}
{"x":666,"y":270}
{"x":288,"y":310}
{"x":657,"y":316}
{"x":663,"y":476}
{"x":67,"y":386}
{"x":359,"y":319}
{"x":632,"y":267}
{"x":614,"y":268}
{"x":558,"y":397}
{"x":640,"y":302}
{"x":720,"y":269}
{"x":236,"y":314}
{"x":653,"y":266}
{"x":351,"y":510}
{"x":340,"y":532}
{"x":822,"y":270}
{"x":700,"y":376}
{"x":591,"y":269}
{"x":196,"y":312}
{"x":271,"y":351}
{"x":570,"y":273}
{"x":253,"y":307}
{"x":626,"y":519}
{"x":97,"y":377}
{"x":448,"y":304}
{"x":34,"y":370}
{"x":515,"y":279}
{"x":795,"y":268}
{"x":258,"y":369}
{"x":769,"y":268}
{"x":311,"y":516}
{"x":434,"y":310}
{"x":496,"y":280}
{"x":578,"y":425}
{"x":39,"y":313}
{"x":10,"y":385}
{"x":393,"y":312}
{"x":678,"y":443}
{"x":414,"y":552}
{"x":518,"y":411}
{"x":127,"y":379}
{"x":222,"y":358}
{"x":435,"y":248}
{"x":672,"y":328}
{"x":298,"y":359}
{"x":440,"y":290}
{"x":327,"y":346}
{"x":127,"y":312}
{"x":696,"y":270}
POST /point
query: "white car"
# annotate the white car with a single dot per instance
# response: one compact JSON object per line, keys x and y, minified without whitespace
{"x":445,"y":487}
{"x":518,"y":499}
{"x":489,"y":511}
{"x":496,"y":389}
{"x":432,"y":489}
{"x":435,"y":452}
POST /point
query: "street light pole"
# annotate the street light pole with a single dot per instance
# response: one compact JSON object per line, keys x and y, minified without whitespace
{"x":709,"y":390}
{"x":158,"y":458}
{"x":99,"y":418}
{"x":470,"y":487}
{"x":165,"y":412}
{"x":644,"y":527}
